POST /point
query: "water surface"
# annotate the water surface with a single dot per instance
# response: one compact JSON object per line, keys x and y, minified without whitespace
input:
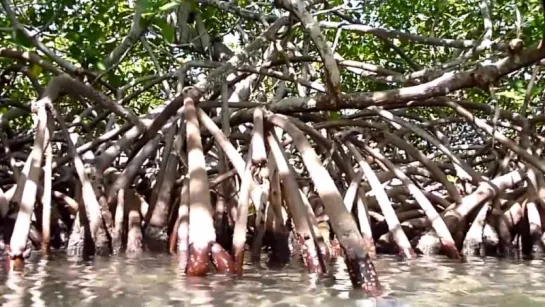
{"x":155,"y":280}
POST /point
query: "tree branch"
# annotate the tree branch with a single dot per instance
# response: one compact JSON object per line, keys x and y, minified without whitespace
{"x":407,"y":37}
{"x":332,"y":74}
{"x":137,"y":30}
{"x":447,"y":83}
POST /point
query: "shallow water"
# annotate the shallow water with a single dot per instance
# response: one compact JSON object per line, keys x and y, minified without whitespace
{"x":154,"y":280}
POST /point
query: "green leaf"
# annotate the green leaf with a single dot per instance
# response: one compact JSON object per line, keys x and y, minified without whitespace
{"x":511,"y":95}
{"x":166,"y":30}
{"x":35,"y":70}
{"x":21,"y":39}
{"x":100,"y":65}
{"x":168,"y":33}
{"x":251,"y":210}
{"x":169,"y":6}
{"x":520,"y":85}
{"x":334,"y":115}
{"x":146,"y":4}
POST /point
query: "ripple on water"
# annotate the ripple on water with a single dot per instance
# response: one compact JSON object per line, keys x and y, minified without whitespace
{"x":154,"y":280}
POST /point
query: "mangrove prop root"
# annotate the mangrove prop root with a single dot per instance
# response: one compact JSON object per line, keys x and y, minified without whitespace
{"x":47,"y":195}
{"x":15,"y":264}
{"x":119,"y":217}
{"x":197,"y":264}
{"x":221,"y":259}
{"x":310,"y":254}
{"x":362,"y":273}
{"x":183,"y":228}
{"x":295,"y":204}
{"x":449,"y":249}
{"x":28,"y":185}
{"x":239,"y":235}
{"x":173,"y":238}
{"x":324,"y":250}
{"x":134,"y":236}
{"x":342,"y":221}
{"x":385,"y":204}
{"x":445,"y":177}
{"x":238,"y":255}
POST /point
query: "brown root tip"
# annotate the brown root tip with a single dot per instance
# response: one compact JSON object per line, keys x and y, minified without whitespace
{"x":45,"y":251}
{"x":173,"y":239}
{"x":450,"y":250}
{"x":408,"y":254}
{"x":221,"y":259}
{"x":15,"y":263}
{"x":239,"y":260}
{"x":197,"y":264}
{"x":363,"y":274}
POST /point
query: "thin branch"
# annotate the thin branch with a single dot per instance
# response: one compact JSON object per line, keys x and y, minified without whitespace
{"x":34,"y":39}
{"x":332,"y":74}
{"x":407,"y":37}
{"x":138,"y":28}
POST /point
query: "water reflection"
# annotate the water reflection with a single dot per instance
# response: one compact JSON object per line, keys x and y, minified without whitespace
{"x":39,"y":283}
{"x":15,"y":296}
{"x":155,"y":280}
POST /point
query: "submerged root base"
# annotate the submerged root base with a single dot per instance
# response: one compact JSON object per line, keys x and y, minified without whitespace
{"x":239,"y":260}
{"x":221,"y":259}
{"x":324,"y":250}
{"x":309,"y":254}
{"x":197,"y":264}
{"x":363,"y":275}
{"x":183,"y":259}
{"x":280,"y":254}
{"x":450,"y":250}
{"x":15,"y":263}
{"x":407,"y":253}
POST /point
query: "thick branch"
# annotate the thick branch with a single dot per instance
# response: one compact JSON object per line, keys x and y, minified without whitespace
{"x":448,"y":83}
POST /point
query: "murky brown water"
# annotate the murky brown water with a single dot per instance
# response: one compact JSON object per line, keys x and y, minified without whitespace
{"x":154,"y":281}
